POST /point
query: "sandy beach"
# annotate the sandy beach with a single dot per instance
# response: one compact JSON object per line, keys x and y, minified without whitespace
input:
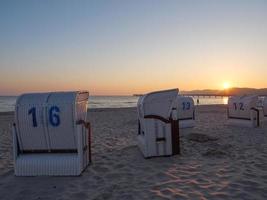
{"x":217,"y":161}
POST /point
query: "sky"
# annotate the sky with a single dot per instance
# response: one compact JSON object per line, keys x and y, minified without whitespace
{"x":125,"y":47}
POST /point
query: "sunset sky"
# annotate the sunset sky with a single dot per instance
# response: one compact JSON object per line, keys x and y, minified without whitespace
{"x":125,"y":47}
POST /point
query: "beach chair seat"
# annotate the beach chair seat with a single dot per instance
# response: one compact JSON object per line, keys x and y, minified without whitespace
{"x":158,"y":133}
{"x":47,"y":164}
{"x":243,"y":111}
{"x":50,"y":135}
{"x":186,"y":111}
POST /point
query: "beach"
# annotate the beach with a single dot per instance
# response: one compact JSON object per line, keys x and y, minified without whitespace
{"x":217,"y":161}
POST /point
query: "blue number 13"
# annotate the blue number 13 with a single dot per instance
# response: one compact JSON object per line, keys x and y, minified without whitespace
{"x":186,"y":105}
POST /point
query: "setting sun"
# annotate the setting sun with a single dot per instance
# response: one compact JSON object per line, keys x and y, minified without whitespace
{"x":226,"y":85}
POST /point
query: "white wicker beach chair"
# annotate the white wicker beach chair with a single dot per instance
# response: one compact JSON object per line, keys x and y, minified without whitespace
{"x":243,"y":111}
{"x":50,"y":135}
{"x":186,"y":111}
{"x":158,"y":126}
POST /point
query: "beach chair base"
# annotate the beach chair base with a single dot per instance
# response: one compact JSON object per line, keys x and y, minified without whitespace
{"x":186,"y":124}
{"x":242,"y":123}
{"x":66,"y":164}
{"x":51,"y":164}
{"x":159,"y":137}
{"x":149,"y":153}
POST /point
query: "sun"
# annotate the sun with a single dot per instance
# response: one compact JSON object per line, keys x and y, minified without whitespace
{"x":226,"y":85}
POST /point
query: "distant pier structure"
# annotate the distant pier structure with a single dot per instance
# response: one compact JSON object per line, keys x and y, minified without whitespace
{"x":216,"y":95}
{"x":205,"y":95}
{"x":198,"y":96}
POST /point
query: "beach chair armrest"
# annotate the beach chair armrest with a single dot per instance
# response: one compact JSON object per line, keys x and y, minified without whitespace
{"x":255,"y":109}
{"x":257,"y":112}
{"x":254,"y":112}
{"x":158,"y":118}
{"x":84,"y":123}
{"x":15,"y":142}
{"x":87,"y":126}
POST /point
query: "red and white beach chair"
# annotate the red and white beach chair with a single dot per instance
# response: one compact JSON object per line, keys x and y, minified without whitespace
{"x":158,"y":125}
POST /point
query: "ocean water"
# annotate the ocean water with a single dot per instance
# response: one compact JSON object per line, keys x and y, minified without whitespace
{"x":7,"y":103}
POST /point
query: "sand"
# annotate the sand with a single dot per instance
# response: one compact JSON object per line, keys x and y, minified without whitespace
{"x":217,"y":162}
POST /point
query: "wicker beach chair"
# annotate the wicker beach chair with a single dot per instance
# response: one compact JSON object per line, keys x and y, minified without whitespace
{"x":186,"y":111}
{"x":50,"y":135}
{"x":158,"y":125}
{"x":243,"y":111}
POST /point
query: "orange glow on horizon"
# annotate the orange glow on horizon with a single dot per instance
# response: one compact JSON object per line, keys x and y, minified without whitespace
{"x":226,"y":85}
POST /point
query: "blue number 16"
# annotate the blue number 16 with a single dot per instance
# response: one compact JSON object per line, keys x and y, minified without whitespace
{"x":54,"y":118}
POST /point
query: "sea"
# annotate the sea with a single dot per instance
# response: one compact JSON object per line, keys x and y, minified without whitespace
{"x":7,"y":103}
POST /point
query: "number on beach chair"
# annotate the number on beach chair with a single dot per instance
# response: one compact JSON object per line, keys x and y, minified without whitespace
{"x":32,"y":112}
{"x":241,"y":106}
{"x":186,"y":105}
{"x":54,"y":118}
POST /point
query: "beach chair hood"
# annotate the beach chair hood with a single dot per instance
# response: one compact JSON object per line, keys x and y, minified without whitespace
{"x":46,"y":121}
{"x":157,"y":103}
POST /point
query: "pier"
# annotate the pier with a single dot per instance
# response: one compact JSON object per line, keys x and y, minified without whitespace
{"x":206,"y":95}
